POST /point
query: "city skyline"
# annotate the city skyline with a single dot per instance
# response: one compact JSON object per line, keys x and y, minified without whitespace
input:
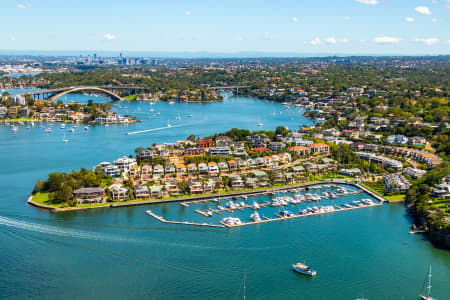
{"x":348,"y":27}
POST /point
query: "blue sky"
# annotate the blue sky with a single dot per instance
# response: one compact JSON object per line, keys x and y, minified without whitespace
{"x":295,"y":26}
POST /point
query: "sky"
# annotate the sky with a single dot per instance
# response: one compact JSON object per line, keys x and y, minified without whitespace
{"x":404,"y":27}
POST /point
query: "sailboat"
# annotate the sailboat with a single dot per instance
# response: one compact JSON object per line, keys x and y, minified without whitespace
{"x":178,"y":117}
{"x":168,"y":124}
{"x":428,"y":297}
{"x":64,"y":138}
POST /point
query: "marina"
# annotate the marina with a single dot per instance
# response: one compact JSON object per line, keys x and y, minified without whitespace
{"x":226,"y":207}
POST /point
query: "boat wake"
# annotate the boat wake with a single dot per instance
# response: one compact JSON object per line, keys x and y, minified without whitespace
{"x":156,"y":129}
{"x":50,"y":229}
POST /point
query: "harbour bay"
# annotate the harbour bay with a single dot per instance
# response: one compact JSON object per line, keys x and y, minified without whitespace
{"x":123,"y":253}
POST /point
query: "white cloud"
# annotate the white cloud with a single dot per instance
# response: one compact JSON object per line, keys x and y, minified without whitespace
{"x":331,"y":41}
{"x":345,"y":41}
{"x":13,"y":38}
{"x":240,"y":38}
{"x":294,"y":19}
{"x":188,"y":13}
{"x":423,"y":10}
{"x":315,"y":41}
{"x":429,"y":42}
{"x":349,"y":18}
{"x":369,"y":2}
{"x":410,"y":20}
{"x":109,"y":36}
{"x":23,"y":6}
{"x":386,"y":40}
{"x":434,"y":20}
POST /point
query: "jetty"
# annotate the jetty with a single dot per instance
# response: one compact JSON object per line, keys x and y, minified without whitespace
{"x":279,"y":218}
{"x":161,"y":219}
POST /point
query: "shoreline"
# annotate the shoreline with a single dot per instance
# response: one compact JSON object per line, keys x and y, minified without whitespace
{"x":205,"y":197}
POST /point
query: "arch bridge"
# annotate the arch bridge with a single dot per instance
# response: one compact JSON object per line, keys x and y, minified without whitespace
{"x":53,"y":94}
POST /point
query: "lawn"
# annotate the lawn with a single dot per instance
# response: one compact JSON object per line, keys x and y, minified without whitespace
{"x":42,"y":198}
{"x":131,"y":97}
{"x":395,"y":198}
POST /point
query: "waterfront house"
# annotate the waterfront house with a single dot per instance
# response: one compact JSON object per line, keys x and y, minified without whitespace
{"x":111,"y":170}
{"x":279,"y":177}
{"x":146,"y":172}
{"x":236,"y":182}
{"x":242,"y":164}
{"x":350,"y":172}
{"x":133,"y":172}
{"x":220,"y":151}
{"x":299,"y":150}
{"x":213,"y":169}
{"x":158,"y":171}
{"x":205,"y":143}
{"x":191,"y":168}
{"x":180,"y":169}
{"x":395,"y":183}
{"x":141,"y":192}
{"x":414,"y":173}
{"x":233,"y":165}
{"x":223,"y":141}
{"x":298,"y":171}
{"x":268,"y":162}
{"x":89,"y":195}
{"x":209,"y":186}
{"x":172,"y":187}
{"x":290,"y":178}
{"x":13,"y":112}
{"x":3,"y":111}
{"x":192,"y":151}
{"x":259,"y":162}
{"x":258,"y":140}
{"x":158,"y":191}
{"x":125,"y":163}
{"x":276,"y":159}
{"x":145,"y":155}
{"x":251,"y":182}
{"x":170,"y":169}
{"x":319,"y":148}
{"x":203,"y":168}
{"x":118,"y":192}
{"x":195,"y":187}
{"x":223,"y":166}
{"x":251,"y":163}
{"x":276,"y":146}
{"x":261,"y":176}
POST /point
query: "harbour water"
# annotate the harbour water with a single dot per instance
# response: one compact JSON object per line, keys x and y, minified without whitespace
{"x":122,"y":253}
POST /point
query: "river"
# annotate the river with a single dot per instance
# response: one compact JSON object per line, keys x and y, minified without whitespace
{"x":122,"y":253}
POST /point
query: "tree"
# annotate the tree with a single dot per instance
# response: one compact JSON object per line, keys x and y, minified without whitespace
{"x":63,"y":195}
{"x":139,"y":150}
{"x":191,"y":138}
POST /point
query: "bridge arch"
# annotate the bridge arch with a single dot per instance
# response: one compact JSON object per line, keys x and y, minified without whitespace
{"x":87,"y":88}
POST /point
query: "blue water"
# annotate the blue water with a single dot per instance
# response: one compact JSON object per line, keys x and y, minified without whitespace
{"x":122,"y":253}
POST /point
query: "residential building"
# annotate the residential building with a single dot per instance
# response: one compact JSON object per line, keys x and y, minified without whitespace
{"x":220,"y":151}
{"x":415,"y":173}
{"x":89,"y":195}
{"x":141,"y":192}
{"x":118,"y":192}
{"x":125,"y":163}
{"x":276,"y":146}
{"x":350,"y":172}
{"x":205,"y":143}
{"x":395,"y":183}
